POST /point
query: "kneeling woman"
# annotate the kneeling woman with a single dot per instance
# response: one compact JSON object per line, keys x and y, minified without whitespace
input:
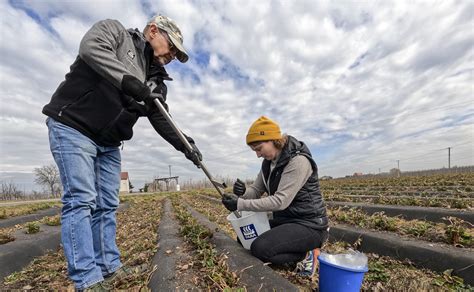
{"x":289,"y":176}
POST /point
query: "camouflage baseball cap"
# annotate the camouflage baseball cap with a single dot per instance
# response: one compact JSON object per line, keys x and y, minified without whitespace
{"x":173,"y":31}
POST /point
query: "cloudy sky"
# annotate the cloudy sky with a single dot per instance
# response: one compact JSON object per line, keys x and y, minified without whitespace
{"x":363,"y":83}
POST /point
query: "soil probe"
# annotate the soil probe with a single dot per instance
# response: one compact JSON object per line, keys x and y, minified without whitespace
{"x":220,"y":186}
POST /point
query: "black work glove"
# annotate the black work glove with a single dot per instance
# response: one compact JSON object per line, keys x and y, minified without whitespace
{"x":141,"y":92}
{"x":160,"y":91}
{"x":195,"y":155}
{"x":230,"y":201}
{"x":149,"y":100}
{"x":239,"y":188}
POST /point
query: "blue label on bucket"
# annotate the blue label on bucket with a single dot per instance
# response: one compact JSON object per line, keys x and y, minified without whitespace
{"x":248,"y":231}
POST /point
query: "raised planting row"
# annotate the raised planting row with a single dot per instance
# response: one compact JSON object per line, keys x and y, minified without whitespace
{"x":240,"y":270}
{"x":12,"y":221}
{"x":27,"y":245}
{"x":385,"y":273}
{"x":8,"y":234}
{"x":409,"y":212}
{"x":418,"y":193}
{"x":175,"y":259}
{"x":24,"y":209}
{"x":443,"y":202}
{"x":439,"y":180}
{"x":409,"y":188}
{"x":452,"y":203}
{"x":136,"y":238}
{"x":455,"y":231}
{"x":448,"y":260}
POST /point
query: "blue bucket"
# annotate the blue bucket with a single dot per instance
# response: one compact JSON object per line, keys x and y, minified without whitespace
{"x":335,"y":278}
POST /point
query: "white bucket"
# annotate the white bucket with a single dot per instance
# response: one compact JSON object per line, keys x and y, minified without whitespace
{"x":249,"y":226}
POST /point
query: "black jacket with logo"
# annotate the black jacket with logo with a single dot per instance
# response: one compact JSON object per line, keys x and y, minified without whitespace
{"x":91,"y":99}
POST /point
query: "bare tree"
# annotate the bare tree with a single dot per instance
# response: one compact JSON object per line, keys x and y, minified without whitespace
{"x":48,"y":175}
{"x":10,"y":191}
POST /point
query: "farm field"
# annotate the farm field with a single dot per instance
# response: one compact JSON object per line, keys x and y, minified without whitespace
{"x":447,"y":191}
{"x":454,"y":191}
{"x":397,"y":273}
{"x":136,"y":238}
{"x":201,"y":262}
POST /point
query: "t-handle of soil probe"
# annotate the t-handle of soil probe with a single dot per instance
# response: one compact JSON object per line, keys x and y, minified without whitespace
{"x":185,"y":141}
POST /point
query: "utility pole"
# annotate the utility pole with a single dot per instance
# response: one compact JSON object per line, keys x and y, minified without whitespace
{"x":449,"y":157}
{"x":398,"y":168}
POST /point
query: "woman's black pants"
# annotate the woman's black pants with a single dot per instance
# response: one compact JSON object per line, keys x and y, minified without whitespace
{"x":287,"y":243}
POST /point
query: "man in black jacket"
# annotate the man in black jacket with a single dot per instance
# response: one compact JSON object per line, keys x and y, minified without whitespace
{"x":93,"y":110}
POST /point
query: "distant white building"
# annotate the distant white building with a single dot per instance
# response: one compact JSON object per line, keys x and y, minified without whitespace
{"x":124,"y":182}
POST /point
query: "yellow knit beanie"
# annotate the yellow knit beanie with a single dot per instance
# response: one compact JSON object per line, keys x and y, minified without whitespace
{"x":263,"y":129}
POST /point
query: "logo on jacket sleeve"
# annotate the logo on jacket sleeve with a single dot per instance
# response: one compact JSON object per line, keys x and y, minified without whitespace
{"x":131,"y":54}
{"x":248,"y":231}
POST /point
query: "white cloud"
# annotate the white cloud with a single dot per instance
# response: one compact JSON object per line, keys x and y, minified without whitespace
{"x":362,"y":83}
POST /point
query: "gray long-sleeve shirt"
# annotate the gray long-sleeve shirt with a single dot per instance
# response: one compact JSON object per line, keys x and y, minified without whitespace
{"x":294,"y":176}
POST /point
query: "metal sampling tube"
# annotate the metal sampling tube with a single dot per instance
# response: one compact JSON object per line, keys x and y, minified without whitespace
{"x":186,"y":143}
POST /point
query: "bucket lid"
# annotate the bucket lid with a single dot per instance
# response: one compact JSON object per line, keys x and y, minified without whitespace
{"x":362,"y":270}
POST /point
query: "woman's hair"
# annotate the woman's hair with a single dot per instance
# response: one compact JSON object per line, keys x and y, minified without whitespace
{"x":280,"y":143}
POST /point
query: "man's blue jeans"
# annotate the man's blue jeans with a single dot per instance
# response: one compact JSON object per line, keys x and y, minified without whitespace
{"x":90,"y":175}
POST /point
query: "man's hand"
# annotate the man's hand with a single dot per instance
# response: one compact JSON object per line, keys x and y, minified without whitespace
{"x":230,"y":201}
{"x":195,"y":155}
{"x":149,"y":100}
{"x":135,"y":88}
{"x":141,"y":92}
{"x":239,"y":188}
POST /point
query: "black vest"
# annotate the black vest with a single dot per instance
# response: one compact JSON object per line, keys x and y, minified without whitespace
{"x":307,"y":207}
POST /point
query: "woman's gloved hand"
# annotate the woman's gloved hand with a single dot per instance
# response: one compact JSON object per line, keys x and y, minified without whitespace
{"x":230,"y":201}
{"x":239,"y":188}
